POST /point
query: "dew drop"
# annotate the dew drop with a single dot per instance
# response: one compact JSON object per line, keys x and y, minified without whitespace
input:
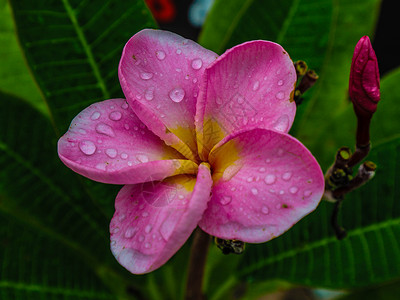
{"x":82,"y":131}
{"x":145,"y":214}
{"x":142,"y":158}
{"x":265,"y":210}
{"x":147,"y":245}
{"x":254,"y":191}
{"x":87,"y":147}
{"x":101,"y":166}
{"x":160,"y":55}
{"x":218,"y":101}
{"x":225,"y":200}
{"x":307,"y":193}
{"x":141,"y":238}
{"x":282,"y":123}
{"x":124,"y":155}
{"x":177,"y":95}
{"x":115,"y":116}
{"x":268,"y":160}
{"x":149,"y":94}
{"x":125,"y":105}
{"x":240,"y":99}
{"x":281,"y":192}
{"x":262,"y":169}
{"x":112,"y":153}
{"x":280,"y":95}
{"x":130,"y":232}
{"x":95,"y":115}
{"x":115,"y":230}
{"x":197,"y":63}
{"x":178,"y":51}
{"x":256,"y":85}
{"x":105,"y":129}
{"x":146,"y":75}
{"x":148,"y":228}
{"x":126,"y":126}
{"x":286,"y":176}
{"x":280,"y":82}
{"x":249,"y":179}
{"x":293,"y":190}
{"x":270,"y":179}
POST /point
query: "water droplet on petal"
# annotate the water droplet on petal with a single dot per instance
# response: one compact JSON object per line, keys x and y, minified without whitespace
{"x":218,"y":101}
{"x":142,"y":158}
{"x":112,"y":153}
{"x":95,"y":115}
{"x":178,"y":51}
{"x":249,"y":179}
{"x":145,"y":214}
{"x":286,"y":176}
{"x":225,"y":200}
{"x":125,"y":105}
{"x":101,"y":166}
{"x":240,"y":99}
{"x":126,"y":126}
{"x":147,"y":245}
{"x":197,"y":63}
{"x":105,"y":129}
{"x":280,"y":95}
{"x":146,"y":75}
{"x":115,"y":115}
{"x":280,"y":82}
{"x":270,"y":179}
{"x":265,"y":210}
{"x":282,"y":123}
{"x":256,"y":85}
{"x":268,"y":160}
{"x":149,"y":94}
{"x":130,"y":232}
{"x":87,"y":147}
{"x":124,"y":155}
{"x":293,"y":190}
{"x":177,"y":95}
{"x":148,"y":228}
{"x":262,"y":169}
{"x":254,"y":191}
{"x":307,"y":193}
{"x":141,"y":238}
{"x":82,"y":131}
{"x":160,"y":54}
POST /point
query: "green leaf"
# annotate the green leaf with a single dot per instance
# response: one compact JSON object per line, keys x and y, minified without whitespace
{"x":15,"y":77}
{"x":73,"y":48}
{"x":50,"y":228}
{"x":309,"y":252}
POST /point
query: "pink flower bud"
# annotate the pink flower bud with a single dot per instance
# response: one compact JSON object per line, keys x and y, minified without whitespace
{"x":364,"y":78}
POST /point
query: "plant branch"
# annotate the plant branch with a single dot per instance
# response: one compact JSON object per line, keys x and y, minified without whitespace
{"x":197,"y":261}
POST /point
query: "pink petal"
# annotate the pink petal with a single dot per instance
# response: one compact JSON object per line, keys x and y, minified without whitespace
{"x":159,"y":73}
{"x":264,"y":182}
{"x":249,"y":86}
{"x":153,"y":220}
{"x":106,"y":142}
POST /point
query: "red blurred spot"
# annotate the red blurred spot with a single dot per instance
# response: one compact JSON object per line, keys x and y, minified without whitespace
{"x":164,"y":11}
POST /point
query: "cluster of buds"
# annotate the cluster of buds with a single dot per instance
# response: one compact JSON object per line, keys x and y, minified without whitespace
{"x":306,"y":79}
{"x":365,"y":95}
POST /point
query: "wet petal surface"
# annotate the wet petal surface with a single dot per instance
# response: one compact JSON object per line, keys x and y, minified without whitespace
{"x":250,"y":85}
{"x":153,"y":220}
{"x":160,"y":73}
{"x":106,"y":142}
{"x":264,"y":182}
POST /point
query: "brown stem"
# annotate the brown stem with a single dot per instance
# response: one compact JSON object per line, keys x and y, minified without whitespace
{"x":197,"y":261}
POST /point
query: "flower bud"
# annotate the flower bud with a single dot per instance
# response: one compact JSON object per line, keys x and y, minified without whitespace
{"x":364,"y":78}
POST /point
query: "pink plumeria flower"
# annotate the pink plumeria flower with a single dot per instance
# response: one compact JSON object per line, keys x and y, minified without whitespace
{"x":201,"y":140}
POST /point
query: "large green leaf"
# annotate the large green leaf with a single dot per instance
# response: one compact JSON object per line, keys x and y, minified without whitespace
{"x":310,"y":254}
{"x":50,"y":226}
{"x":14,"y":74}
{"x":73,"y":48}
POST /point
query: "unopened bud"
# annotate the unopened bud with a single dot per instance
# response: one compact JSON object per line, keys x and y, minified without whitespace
{"x":364,"y":78}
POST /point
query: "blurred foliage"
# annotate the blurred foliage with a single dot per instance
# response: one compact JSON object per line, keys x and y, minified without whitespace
{"x":54,"y":224}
